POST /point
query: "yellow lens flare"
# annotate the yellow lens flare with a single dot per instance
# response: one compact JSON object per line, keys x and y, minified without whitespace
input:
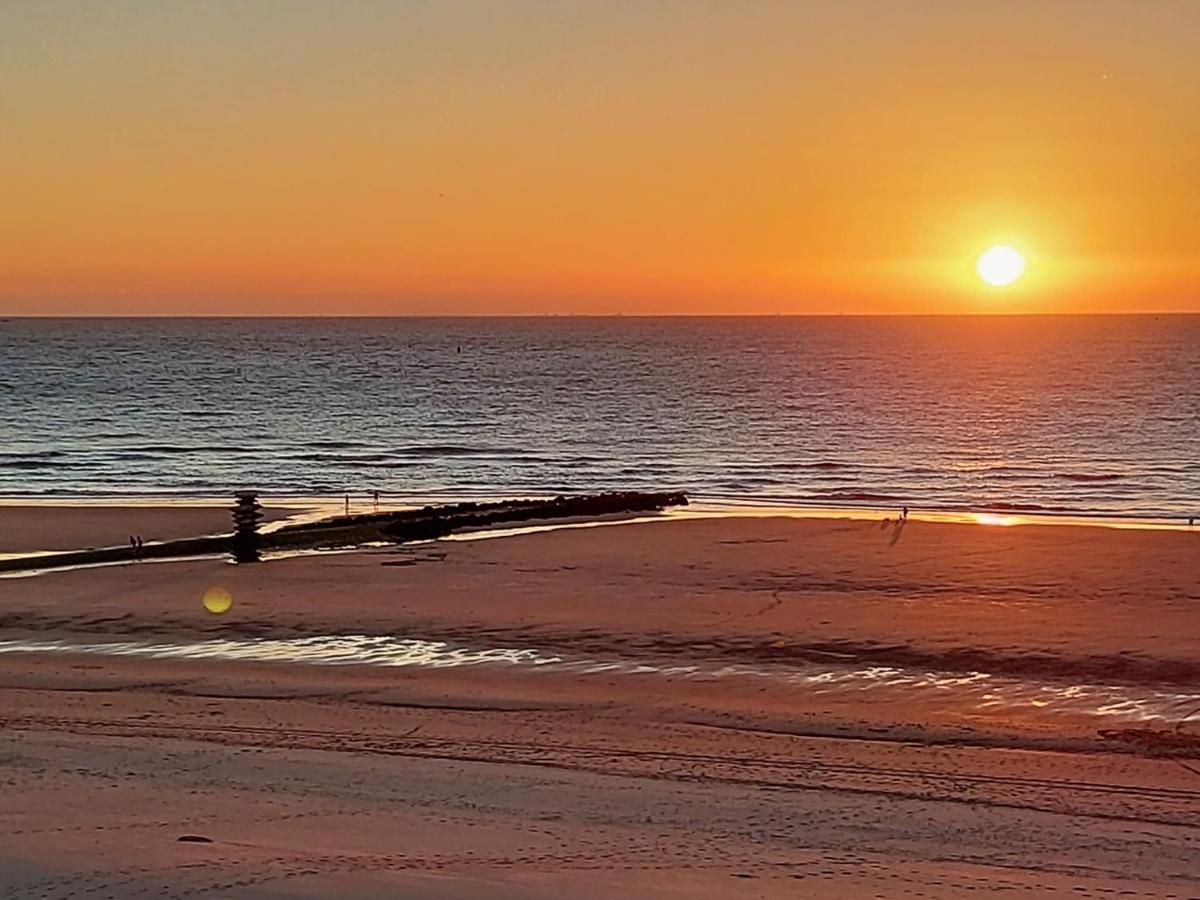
{"x":1000,"y":265}
{"x":217,"y":600}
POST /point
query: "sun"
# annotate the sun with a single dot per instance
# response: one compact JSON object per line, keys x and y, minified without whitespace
{"x":1000,"y":265}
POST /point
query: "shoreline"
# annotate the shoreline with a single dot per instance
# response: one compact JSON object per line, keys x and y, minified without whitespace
{"x":314,"y":507}
{"x":43,"y":523}
{"x":42,"y":529}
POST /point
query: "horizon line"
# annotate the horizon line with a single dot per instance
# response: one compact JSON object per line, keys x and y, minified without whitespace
{"x":860,"y":315}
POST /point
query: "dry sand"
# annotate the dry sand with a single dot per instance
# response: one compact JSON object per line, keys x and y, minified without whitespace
{"x":725,"y":767}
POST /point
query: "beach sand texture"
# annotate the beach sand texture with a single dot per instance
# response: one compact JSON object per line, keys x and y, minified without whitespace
{"x":761,"y":707}
{"x":28,"y":529}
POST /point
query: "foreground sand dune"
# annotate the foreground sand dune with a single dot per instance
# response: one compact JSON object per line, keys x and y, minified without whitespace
{"x":733,"y":707}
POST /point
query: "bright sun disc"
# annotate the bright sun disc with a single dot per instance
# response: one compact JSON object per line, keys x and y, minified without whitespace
{"x":1000,"y":265}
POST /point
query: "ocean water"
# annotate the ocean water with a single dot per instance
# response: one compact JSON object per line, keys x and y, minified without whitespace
{"x":1075,"y":414}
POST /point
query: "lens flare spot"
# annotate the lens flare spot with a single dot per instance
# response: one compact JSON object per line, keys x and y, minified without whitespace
{"x":217,"y":600}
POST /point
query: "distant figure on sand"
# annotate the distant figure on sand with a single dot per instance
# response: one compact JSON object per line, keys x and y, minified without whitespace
{"x":904,"y":513}
{"x":376,"y":499}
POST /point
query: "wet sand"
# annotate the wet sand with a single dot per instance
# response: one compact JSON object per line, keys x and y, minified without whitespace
{"x":737,"y":707}
{"x":26,"y":529}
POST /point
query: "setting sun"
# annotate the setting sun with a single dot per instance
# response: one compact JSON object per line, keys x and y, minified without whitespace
{"x":1000,"y":265}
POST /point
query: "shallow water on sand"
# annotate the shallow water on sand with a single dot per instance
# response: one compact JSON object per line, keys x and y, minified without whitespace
{"x":981,"y":690}
{"x":1051,"y":413}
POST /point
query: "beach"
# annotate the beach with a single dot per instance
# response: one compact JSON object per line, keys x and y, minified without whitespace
{"x":29,"y":528}
{"x":749,"y":706}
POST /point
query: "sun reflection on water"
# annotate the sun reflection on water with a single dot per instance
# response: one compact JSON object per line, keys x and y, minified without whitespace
{"x":984,"y":518}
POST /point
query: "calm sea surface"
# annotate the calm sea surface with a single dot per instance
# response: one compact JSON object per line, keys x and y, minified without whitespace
{"x":1049,"y":413}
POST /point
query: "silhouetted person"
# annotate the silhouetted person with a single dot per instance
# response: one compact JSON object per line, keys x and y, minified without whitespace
{"x":904,"y":514}
{"x":376,"y":498}
{"x":132,"y":547}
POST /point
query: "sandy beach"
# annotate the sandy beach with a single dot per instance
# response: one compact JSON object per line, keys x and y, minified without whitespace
{"x":760,"y":707}
{"x":31,"y":528}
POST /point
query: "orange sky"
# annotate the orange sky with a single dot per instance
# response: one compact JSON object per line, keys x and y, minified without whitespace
{"x":596,"y":157}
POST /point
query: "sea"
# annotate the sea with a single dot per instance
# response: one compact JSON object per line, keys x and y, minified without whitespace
{"x":1055,"y":414}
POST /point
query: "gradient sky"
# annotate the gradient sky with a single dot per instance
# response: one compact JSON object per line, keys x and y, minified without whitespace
{"x":445,"y":156}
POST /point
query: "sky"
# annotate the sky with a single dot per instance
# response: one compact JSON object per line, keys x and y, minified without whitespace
{"x":609,"y":157}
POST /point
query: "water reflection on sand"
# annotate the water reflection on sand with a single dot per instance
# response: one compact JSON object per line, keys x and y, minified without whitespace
{"x":982,"y":690}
